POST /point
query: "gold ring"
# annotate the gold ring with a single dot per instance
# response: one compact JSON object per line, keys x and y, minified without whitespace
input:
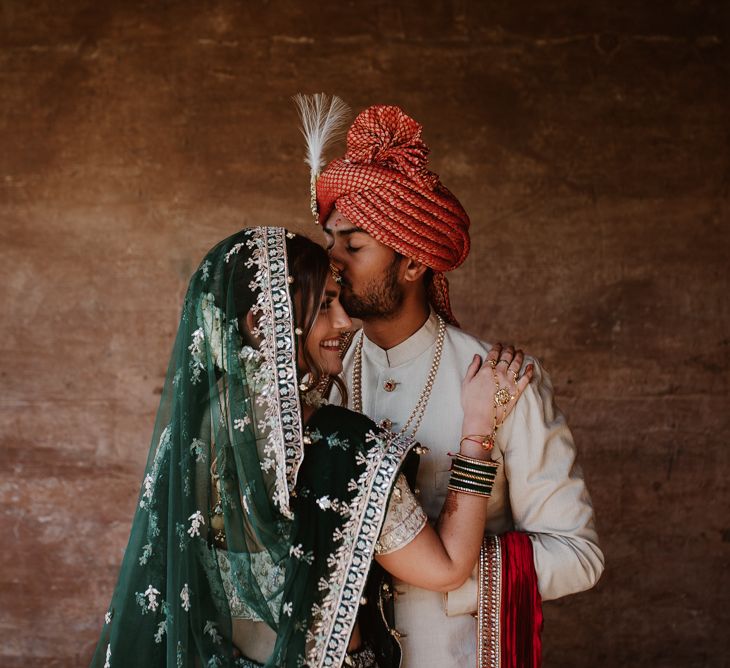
{"x":514,"y":376}
{"x":491,"y":363}
{"x":506,"y":361}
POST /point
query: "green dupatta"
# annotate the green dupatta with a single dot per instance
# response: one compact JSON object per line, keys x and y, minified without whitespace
{"x":241,"y":513}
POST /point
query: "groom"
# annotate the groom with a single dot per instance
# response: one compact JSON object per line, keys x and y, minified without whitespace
{"x":392,"y":231}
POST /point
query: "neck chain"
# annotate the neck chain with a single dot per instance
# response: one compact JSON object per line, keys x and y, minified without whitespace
{"x":414,"y":420}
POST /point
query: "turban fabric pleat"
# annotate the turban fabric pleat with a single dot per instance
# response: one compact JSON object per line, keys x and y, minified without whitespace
{"x":382,"y":185}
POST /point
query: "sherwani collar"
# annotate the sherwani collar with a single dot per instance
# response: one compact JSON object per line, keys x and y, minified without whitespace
{"x":416,"y":344}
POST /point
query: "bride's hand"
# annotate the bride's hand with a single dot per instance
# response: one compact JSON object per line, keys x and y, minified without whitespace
{"x":491,"y":388}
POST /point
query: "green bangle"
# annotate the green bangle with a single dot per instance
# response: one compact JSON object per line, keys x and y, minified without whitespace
{"x":465,"y":484}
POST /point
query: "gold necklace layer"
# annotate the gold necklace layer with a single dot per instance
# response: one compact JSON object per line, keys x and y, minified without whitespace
{"x":416,"y":416}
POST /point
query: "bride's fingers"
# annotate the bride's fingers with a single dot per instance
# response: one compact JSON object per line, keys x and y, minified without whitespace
{"x":473,"y":368}
{"x":493,"y":354}
{"x":505,"y":357}
{"x":513,"y":370}
{"x":525,"y":378}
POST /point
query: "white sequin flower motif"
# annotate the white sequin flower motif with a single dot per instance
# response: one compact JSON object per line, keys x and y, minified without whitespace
{"x":185,"y":597}
{"x":151,"y":595}
{"x":211,"y":630}
{"x":239,"y":424}
{"x":324,"y":502}
{"x":196,"y":521}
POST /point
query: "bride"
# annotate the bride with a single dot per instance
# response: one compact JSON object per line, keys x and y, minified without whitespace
{"x":269,"y":522}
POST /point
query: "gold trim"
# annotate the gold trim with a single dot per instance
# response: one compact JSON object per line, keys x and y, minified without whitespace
{"x":489,"y":632}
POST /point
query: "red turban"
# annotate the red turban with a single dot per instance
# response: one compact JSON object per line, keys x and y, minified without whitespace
{"x":382,"y":186}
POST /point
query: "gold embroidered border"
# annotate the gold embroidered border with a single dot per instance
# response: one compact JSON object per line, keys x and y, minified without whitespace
{"x":278,"y":347}
{"x":489,"y":599}
{"x":359,"y":535}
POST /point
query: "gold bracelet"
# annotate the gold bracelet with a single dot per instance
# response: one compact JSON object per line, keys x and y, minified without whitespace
{"x":485,"y":440}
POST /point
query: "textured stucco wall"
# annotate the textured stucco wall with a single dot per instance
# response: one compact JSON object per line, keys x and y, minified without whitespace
{"x":588,"y":141}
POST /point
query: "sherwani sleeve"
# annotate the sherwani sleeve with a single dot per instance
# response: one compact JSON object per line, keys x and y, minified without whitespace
{"x":547,"y":495}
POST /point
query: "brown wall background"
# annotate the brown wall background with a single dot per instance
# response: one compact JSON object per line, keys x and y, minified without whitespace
{"x":588,"y":141}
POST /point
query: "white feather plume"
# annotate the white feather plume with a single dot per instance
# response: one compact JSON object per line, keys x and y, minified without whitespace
{"x":323,"y":119}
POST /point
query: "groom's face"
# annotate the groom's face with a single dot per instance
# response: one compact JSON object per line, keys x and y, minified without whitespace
{"x":370,"y":270}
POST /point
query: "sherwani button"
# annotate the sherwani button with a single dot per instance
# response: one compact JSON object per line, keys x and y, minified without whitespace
{"x":389,"y":385}
{"x":385,"y":423}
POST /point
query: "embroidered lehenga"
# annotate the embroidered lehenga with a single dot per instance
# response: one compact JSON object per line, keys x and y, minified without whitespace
{"x":248,"y":519}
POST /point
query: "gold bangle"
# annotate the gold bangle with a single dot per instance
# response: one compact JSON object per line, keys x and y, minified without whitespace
{"x":472,"y":476}
{"x":482,"y":462}
{"x":484,"y":495}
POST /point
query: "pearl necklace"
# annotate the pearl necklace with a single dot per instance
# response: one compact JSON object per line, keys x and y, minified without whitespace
{"x":416,"y":415}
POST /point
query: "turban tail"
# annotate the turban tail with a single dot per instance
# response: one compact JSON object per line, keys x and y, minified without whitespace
{"x":382,"y":186}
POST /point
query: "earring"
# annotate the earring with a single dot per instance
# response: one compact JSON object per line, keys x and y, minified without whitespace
{"x":298,"y":331}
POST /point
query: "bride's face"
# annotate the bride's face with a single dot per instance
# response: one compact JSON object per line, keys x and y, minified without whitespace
{"x":323,"y":342}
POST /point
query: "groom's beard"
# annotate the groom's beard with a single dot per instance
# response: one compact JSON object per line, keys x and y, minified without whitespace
{"x":380,"y":298}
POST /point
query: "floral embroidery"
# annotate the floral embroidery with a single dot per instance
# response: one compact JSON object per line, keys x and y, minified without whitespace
{"x":148,"y":485}
{"x":161,"y":629}
{"x":314,"y":435}
{"x":150,"y":480}
{"x":151,"y":594}
{"x":334,"y":617}
{"x":196,"y":520}
{"x":283,"y":450}
{"x":334,"y":441}
{"x":239,"y":424}
{"x":108,"y":616}
{"x":107,"y":663}
{"x":234,"y":250}
{"x":205,"y":270}
{"x":183,"y":537}
{"x":146,"y":554}
{"x":403,"y":521}
{"x":185,"y":597}
{"x":197,"y":357}
{"x":297,"y":551}
{"x":211,"y":630}
{"x":341,"y":507}
{"x":287,"y":609}
{"x":197,"y":450}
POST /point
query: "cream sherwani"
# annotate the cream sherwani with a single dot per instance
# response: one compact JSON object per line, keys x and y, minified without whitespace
{"x":539,"y":488}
